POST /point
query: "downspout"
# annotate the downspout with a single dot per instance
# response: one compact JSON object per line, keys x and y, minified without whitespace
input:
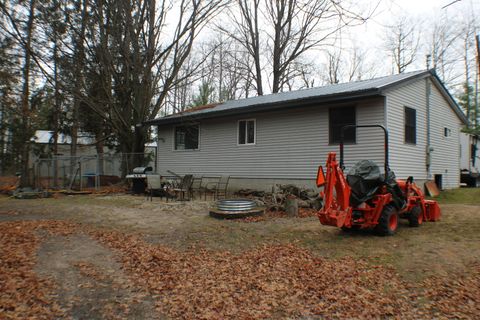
{"x":385,"y":110}
{"x":429,"y":149}
{"x":156,"y":149}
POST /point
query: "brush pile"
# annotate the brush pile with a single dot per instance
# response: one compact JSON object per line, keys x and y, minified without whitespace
{"x":275,"y":200}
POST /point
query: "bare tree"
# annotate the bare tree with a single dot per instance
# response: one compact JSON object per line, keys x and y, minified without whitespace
{"x":296,"y":29}
{"x":443,"y":39}
{"x":182,"y":93}
{"x":333,"y":66}
{"x":246,"y":32}
{"x":51,"y":22}
{"x":468,"y":39}
{"x":232,"y":76}
{"x":225,"y":66}
{"x":9,"y":76}
{"x":357,"y":66}
{"x":402,"y":41}
{"x":21,"y":19}
{"x":138,"y":56}
{"x":288,"y":29}
{"x":307,"y":77}
{"x":346,"y":64}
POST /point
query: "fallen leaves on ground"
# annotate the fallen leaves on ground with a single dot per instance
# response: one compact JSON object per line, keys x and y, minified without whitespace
{"x":22,"y":293}
{"x":457,"y":297}
{"x":8,"y":184}
{"x":272,"y":281}
{"x":112,"y":189}
{"x":270,"y":215}
{"x":9,"y":212}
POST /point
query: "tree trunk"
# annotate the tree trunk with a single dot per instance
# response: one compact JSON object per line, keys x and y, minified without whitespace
{"x":25,"y":98}
{"x":291,"y":206}
{"x":79,"y":57}
{"x":139,"y":147}
{"x":57,"y":104}
{"x":467,"y":79}
{"x":99,"y":145}
{"x":2,"y":139}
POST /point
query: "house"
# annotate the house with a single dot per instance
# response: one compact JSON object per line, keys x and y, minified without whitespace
{"x":284,"y":137}
{"x":470,"y":159}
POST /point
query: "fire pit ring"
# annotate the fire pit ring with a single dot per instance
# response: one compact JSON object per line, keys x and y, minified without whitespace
{"x":235,"y":209}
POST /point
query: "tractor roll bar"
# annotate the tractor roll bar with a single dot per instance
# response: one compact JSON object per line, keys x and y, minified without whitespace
{"x":342,"y":132}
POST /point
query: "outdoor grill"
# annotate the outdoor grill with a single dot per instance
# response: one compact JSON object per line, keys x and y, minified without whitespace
{"x":139,"y":179}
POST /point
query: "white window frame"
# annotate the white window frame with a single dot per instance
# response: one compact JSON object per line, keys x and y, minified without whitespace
{"x":174,"y":137}
{"x":246,"y":133}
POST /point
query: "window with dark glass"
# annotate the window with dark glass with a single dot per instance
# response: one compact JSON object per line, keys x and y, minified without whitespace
{"x":186,"y":137}
{"x":338,"y":118}
{"x":447,"y":132}
{"x":410,"y":125}
{"x":246,"y":132}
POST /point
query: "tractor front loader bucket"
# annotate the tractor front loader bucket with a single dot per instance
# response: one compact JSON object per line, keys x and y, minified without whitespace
{"x":432,"y":210}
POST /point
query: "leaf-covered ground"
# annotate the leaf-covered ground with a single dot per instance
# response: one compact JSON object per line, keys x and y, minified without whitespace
{"x":268,"y":281}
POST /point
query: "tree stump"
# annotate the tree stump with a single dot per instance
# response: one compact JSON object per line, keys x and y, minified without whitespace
{"x":291,"y":206}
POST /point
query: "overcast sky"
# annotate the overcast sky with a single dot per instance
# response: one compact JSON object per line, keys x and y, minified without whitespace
{"x":425,"y":12}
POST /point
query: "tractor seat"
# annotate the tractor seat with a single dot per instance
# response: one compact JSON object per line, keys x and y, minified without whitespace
{"x":364,"y":179}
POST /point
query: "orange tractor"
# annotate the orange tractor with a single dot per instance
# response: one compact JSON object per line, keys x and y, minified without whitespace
{"x":367,"y":199}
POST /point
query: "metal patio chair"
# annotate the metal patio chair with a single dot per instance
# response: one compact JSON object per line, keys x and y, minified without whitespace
{"x":218,"y":188}
{"x":185,"y":188}
{"x":196,"y":186}
{"x":154,"y":184}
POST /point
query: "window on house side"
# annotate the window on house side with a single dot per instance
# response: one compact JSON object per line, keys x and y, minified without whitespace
{"x":410,"y":125}
{"x":447,"y":132}
{"x":186,"y":137}
{"x":339,"y":117}
{"x":246,"y":132}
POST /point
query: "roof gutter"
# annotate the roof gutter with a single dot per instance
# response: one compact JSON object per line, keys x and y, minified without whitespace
{"x":265,"y":107}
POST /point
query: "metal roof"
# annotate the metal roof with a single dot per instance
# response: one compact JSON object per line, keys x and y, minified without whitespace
{"x":340,"y":91}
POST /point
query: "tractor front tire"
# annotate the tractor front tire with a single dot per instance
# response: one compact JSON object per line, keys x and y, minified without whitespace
{"x":415,"y":217}
{"x":388,"y":221}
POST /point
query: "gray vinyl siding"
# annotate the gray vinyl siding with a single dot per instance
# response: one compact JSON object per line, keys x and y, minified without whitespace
{"x":290,"y":144}
{"x":410,"y":159}
{"x":446,"y":153}
{"x":407,"y":159}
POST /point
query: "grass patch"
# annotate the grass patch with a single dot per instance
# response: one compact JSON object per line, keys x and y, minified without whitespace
{"x":460,"y":196}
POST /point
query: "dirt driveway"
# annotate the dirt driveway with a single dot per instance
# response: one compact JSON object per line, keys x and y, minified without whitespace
{"x":96,"y":257}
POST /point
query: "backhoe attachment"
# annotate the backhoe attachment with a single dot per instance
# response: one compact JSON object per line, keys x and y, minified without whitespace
{"x":336,"y":210}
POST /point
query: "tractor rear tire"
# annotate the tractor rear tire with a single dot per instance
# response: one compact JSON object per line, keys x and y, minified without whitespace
{"x":351,"y":229}
{"x":388,"y":221}
{"x":415,"y":217}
